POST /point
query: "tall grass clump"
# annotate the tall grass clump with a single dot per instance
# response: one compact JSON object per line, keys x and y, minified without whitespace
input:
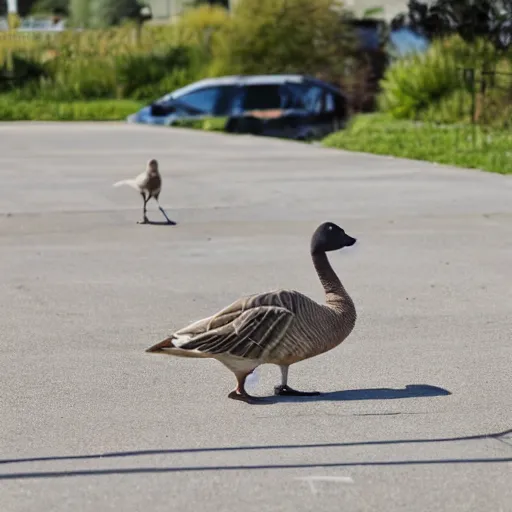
{"x":433,"y":84}
{"x":97,"y":64}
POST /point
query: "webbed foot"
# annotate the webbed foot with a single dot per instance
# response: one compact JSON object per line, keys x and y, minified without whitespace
{"x":244,"y":397}
{"x":288,"y":391}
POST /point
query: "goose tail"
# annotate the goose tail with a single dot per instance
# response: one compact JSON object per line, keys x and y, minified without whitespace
{"x":171,"y":346}
{"x":161,"y":346}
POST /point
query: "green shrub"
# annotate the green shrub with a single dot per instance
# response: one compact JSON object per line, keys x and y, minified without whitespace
{"x":19,"y":71}
{"x":493,"y":109}
{"x":416,"y":82}
{"x":455,"y":107}
{"x":172,"y":81}
{"x":209,"y":124}
{"x":137,"y":76}
{"x":196,"y":26}
{"x":82,"y":78}
{"x":13,"y":20}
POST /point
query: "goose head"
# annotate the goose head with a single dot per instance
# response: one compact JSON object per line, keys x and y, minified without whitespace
{"x":330,"y":237}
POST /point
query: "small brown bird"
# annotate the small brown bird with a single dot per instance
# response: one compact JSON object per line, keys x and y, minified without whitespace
{"x":149,"y":185}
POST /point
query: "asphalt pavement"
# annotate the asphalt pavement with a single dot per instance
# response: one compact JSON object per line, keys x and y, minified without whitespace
{"x":416,"y":413}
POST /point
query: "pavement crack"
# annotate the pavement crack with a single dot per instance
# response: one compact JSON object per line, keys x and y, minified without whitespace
{"x":503,"y":437}
{"x":506,"y":441}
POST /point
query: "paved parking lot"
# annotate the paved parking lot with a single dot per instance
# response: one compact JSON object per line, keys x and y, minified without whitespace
{"x":417,"y":401}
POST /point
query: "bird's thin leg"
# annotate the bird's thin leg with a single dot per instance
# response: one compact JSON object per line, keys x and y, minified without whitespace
{"x":169,"y":221}
{"x":285,"y":390}
{"x":144,"y":211}
{"x":240,"y":393}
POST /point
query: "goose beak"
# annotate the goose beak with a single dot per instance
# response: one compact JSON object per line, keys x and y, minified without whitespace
{"x":349,"y":241}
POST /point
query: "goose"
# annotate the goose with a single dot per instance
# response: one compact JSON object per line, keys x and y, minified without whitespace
{"x":280,"y":327}
{"x":148,"y":184}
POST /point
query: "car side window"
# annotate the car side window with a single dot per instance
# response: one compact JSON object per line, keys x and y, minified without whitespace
{"x":238,"y":100}
{"x":291,"y":98}
{"x":225,"y":100}
{"x":261,"y":97}
{"x":203,"y":100}
{"x":314,"y":99}
{"x":330,"y":105}
{"x":311,"y":97}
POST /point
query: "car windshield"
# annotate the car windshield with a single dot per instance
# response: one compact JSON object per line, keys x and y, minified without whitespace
{"x":202,"y":100}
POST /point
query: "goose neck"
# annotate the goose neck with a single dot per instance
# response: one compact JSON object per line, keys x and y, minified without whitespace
{"x":335,"y":293}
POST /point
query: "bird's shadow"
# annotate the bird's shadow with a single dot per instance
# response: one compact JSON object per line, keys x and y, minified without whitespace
{"x":159,"y":223}
{"x":410,"y":391}
{"x":167,"y":222}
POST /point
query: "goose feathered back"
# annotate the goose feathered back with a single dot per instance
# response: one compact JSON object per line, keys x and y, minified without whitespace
{"x":281,"y":327}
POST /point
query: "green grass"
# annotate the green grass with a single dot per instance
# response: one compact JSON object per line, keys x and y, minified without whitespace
{"x":209,"y":124}
{"x":457,"y":145}
{"x":38,"y":110}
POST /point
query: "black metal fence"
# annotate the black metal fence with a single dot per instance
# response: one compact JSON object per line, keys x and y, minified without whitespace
{"x":491,"y":97}
{"x":482,"y":107}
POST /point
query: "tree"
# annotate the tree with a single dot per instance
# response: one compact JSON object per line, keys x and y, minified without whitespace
{"x":196,"y":26}
{"x":422,"y":18}
{"x":285,"y":36}
{"x":106,"y":13}
{"x":470,"y":19}
{"x":80,"y":11}
{"x":475,"y":19}
{"x":60,"y":7}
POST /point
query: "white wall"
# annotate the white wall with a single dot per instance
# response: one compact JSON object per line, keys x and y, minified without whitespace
{"x":166,"y":8}
{"x":391,"y":7}
{"x":12,"y":5}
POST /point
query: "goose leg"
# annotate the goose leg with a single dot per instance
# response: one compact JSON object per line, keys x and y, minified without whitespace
{"x":144,"y":212}
{"x":239,"y":393}
{"x":285,"y":390}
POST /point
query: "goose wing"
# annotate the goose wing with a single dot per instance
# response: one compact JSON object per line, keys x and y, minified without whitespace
{"x":247,"y":328}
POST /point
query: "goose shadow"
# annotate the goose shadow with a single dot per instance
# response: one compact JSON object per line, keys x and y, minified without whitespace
{"x":410,"y":391}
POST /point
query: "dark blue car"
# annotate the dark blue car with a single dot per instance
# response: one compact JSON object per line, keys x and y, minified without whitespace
{"x":290,"y":106}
